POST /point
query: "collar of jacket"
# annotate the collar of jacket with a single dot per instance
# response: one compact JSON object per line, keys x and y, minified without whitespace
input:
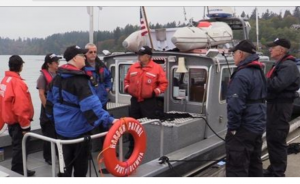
{"x":249,"y":59}
{"x":149,"y":65}
{"x":13,"y":74}
{"x":68,"y":70}
{"x":89,"y":68}
{"x":286,"y":57}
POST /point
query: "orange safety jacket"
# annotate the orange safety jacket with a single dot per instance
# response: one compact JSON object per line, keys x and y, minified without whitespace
{"x":141,"y":82}
{"x":15,"y":101}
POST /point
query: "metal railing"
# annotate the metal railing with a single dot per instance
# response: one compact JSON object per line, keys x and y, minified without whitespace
{"x":59,"y":143}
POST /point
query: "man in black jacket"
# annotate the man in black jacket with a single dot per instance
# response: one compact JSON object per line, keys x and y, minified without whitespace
{"x":246,"y":113}
{"x":283,"y":80}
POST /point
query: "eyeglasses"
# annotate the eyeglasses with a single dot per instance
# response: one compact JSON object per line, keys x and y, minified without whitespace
{"x":91,"y":52}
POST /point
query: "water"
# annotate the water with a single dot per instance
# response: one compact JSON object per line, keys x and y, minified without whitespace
{"x":31,"y":72}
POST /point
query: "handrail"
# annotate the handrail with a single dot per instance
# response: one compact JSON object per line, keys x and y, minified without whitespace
{"x":60,"y":142}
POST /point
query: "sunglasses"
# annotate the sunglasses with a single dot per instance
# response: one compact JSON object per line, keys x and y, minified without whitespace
{"x":91,"y":52}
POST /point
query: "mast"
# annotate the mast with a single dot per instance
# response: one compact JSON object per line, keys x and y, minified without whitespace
{"x":149,"y":34}
{"x":257,"y":32}
{"x":91,"y":32}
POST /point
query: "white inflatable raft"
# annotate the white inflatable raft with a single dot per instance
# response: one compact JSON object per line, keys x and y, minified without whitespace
{"x":207,"y":34}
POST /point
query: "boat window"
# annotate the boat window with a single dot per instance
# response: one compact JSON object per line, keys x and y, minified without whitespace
{"x":161,"y":62}
{"x":197,"y":80}
{"x":225,"y":81}
{"x":190,"y":85}
{"x":113,"y":72}
{"x":180,"y":83}
{"x":123,"y":68}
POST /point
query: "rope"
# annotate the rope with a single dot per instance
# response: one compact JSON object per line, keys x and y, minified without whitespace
{"x":99,"y":166}
{"x":165,"y":159}
{"x":100,"y":160}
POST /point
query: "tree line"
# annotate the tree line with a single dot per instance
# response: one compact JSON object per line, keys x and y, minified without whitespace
{"x":271,"y":26}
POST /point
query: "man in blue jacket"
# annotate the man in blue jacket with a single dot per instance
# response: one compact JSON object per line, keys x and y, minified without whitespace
{"x":100,"y":78}
{"x":76,"y":110}
{"x":246,"y":113}
{"x":283,"y":81}
{"x":99,"y":74}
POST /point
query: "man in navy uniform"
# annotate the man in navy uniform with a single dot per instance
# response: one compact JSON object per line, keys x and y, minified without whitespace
{"x":246,"y":113}
{"x":283,"y":81}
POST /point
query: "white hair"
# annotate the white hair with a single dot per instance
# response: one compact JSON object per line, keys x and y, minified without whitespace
{"x":87,"y":46}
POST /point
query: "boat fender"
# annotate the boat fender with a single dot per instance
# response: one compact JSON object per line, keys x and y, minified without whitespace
{"x":204,"y":24}
{"x":112,"y":163}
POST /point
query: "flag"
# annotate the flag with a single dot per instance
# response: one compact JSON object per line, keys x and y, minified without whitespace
{"x":143,"y":23}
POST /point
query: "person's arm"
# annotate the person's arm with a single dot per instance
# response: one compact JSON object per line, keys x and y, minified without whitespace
{"x":42,"y":97}
{"x":162,"y":82}
{"x":90,"y":105}
{"x":41,"y":86}
{"x":286,"y":75}
{"x":127,"y":81}
{"x":22,"y":106}
{"x":107,"y":79}
{"x":236,"y":101}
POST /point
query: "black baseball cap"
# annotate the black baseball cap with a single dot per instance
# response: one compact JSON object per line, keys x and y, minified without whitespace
{"x":245,"y":46}
{"x":72,"y":51}
{"x":51,"y":58}
{"x":280,"y":41}
{"x":145,"y":50}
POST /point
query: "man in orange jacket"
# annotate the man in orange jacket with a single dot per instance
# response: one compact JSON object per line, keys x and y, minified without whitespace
{"x":145,"y":80}
{"x":16,"y":110}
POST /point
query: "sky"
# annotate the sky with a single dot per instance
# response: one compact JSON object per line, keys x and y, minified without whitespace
{"x":42,"y":21}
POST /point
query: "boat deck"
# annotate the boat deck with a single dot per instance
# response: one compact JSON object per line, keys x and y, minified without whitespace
{"x":36,"y":162}
{"x":292,"y":170}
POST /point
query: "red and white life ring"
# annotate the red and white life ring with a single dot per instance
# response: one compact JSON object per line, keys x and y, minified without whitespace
{"x":112,"y":163}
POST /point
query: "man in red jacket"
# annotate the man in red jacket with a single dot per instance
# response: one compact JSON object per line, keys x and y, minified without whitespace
{"x":145,"y":80}
{"x":16,"y":110}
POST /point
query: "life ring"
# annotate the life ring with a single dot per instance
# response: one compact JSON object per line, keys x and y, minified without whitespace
{"x":112,"y":163}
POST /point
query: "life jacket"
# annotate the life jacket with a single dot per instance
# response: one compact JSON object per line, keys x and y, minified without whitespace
{"x":253,"y":64}
{"x":99,"y":68}
{"x":287,"y":57}
{"x":47,"y":76}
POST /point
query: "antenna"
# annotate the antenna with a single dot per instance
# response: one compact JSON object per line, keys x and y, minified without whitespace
{"x":257,"y":30}
{"x":184,"y":13}
{"x":90,"y":11}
